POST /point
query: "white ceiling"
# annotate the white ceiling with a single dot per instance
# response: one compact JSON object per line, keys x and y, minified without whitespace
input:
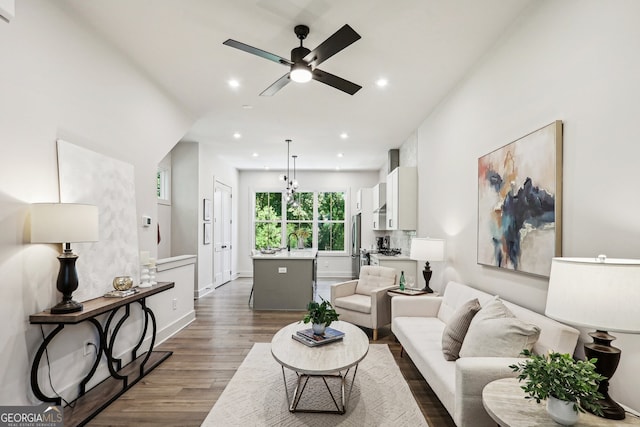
{"x":423,"y":48}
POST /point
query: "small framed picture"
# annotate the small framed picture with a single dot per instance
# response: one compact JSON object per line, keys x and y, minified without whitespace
{"x":206,"y":233}
{"x":206,"y":209}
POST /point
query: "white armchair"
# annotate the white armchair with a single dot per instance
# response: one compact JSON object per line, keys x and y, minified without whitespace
{"x":365,"y":301}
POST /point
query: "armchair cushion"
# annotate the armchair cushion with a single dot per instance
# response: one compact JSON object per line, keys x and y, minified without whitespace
{"x":354,"y":302}
{"x":372,"y":277}
{"x":496,"y":332}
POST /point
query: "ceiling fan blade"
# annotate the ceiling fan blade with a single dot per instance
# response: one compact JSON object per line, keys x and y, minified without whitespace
{"x":259,"y":52}
{"x":334,"y":44}
{"x":276,"y":86}
{"x":336,"y":82}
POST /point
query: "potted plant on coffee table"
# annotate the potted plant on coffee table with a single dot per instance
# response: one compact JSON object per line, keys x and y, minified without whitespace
{"x":320,"y":314}
{"x":568,"y":385}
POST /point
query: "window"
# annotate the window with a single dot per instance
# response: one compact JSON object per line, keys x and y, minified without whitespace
{"x":318,"y":221}
{"x":268,"y":220}
{"x":163,"y":186}
{"x":300,"y":220}
{"x":331,"y":222}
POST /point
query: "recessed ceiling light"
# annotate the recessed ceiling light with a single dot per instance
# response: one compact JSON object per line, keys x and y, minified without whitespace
{"x":382,"y":82}
{"x":344,"y":135}
{"x":337,"y":168}
{"x":234,"y":83}
{"x":266,"y":168}
{"x":247,"y":107}
{"x":237,"y":135}
{"x":254,"y":155}
{"x":340,"y":154}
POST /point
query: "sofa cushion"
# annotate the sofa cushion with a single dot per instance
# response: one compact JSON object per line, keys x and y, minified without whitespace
{"x":374,"y":277}
{"x":354,"y":302}
{"x":496,"y":332}
{"x":457,"y":327}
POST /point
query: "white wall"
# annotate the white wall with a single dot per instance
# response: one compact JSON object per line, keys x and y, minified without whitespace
{"x":576,"y":61}
{"x":252,"y":181}
{"x":57,"y":80}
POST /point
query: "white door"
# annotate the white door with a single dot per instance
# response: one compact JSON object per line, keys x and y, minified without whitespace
{"x":221,"y":233}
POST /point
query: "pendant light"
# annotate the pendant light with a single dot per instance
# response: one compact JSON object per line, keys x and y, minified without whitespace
{"x":292,"y":183}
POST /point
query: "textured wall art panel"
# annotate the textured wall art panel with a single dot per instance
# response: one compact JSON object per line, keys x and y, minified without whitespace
{"x":93,"y":178}
{"x":520,"y":202}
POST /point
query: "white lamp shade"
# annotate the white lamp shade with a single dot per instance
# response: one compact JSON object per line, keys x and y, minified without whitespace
{"x":598,"y":292}
{"x":63,"y":223}
{"x":426,"y":249}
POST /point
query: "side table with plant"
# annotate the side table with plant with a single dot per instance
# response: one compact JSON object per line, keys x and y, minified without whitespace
{"x":568,"y":385}
{"x":320,"y":315}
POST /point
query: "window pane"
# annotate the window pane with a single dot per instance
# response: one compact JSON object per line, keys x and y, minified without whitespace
{"x":330,"y":236}
{"x":267,"y":235}
{"x":305,"y":209}
{"x":331,"y":206}
{"x":268,"y":206}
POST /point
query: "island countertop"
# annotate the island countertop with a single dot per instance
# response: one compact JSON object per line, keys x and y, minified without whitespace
{"x":284,"y":254}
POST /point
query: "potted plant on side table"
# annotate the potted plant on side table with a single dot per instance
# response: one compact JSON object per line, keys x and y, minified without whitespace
{"x":568,"y":385}
{"x":320,"y":315}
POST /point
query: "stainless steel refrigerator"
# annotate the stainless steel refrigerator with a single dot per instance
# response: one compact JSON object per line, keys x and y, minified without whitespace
{"x":356,"y":231}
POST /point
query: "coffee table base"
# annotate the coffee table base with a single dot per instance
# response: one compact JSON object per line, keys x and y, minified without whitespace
{"x":301,"y":384}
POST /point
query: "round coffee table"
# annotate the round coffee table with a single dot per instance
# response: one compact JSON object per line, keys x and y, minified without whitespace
{"x":336,"y":359}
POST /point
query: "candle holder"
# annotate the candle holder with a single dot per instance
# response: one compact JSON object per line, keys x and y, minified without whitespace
{"x":145,"y":277}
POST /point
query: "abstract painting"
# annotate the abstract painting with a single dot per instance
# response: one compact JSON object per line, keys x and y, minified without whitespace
{"x":520,"y":203}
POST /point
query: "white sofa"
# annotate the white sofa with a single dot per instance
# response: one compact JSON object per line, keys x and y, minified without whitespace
{"x":418,"y":324}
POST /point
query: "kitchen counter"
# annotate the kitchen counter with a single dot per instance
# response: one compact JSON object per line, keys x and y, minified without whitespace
{"x":400,"y":257}
{"x":284,"y":254}
{"x":284,"y":280}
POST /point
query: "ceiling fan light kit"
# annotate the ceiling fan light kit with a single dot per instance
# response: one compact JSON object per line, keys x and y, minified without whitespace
{"x":304,"y":62}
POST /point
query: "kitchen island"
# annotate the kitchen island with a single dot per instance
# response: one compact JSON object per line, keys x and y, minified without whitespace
{"x":284,"y":280}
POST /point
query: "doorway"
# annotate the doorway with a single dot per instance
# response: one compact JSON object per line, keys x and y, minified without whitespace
{"x":222,"y":221}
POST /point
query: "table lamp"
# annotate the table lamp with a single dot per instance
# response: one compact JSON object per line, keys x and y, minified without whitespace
{"x":64,"y":223}
{"x":426,"y":249}
{"x":599,"y":293}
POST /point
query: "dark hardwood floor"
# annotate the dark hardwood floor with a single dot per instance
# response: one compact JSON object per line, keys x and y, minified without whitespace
{"x":206,"y":354}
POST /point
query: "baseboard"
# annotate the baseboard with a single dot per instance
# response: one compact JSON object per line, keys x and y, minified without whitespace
{"x":203,"y":291}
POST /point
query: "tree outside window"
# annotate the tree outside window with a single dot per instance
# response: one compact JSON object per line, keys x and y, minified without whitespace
{"x":268,"y":220}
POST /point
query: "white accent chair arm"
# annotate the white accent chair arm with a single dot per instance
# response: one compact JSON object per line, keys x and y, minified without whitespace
{"x":343,"y":289}
{"x":415,"y":306}
{"x":472,"y":375}
{"x":380,"y":306}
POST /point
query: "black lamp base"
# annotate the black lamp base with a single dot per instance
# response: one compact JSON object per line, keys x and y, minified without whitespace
{"x":64,"y":307}
{"x":67,"y":283}
{"x":426,"y":273}
{"x":608,"y":358}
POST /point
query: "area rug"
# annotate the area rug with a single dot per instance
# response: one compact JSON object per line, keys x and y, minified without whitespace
{"x":255,"y":396}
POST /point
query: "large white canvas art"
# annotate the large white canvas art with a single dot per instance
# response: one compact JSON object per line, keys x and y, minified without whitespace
{"x":93,"y":178}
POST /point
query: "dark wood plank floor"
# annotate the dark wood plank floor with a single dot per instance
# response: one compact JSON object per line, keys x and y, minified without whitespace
{"x":206,"y":354}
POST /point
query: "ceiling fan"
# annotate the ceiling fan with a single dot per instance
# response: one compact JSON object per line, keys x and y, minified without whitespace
{"x":303,"y":61}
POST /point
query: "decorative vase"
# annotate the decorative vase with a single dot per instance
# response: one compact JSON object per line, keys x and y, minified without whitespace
{"x":122,"y":283}
{"x":318,"y":328}
{"x":562,"y":411}
{"x":300,"y":243}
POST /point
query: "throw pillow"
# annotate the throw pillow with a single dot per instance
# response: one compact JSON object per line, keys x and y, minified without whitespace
{"x":456,"y":329}
{"x":496,"y":332}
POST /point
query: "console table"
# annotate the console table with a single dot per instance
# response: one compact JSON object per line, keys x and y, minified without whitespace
{"x":90,"y":402}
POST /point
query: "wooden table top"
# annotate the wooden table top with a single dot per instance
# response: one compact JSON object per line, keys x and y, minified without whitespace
{"x":97,"y":306}
{"x":504,"y":401}
{"x":324,"y":359}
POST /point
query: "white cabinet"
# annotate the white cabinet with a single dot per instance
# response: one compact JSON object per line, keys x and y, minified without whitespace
{"x":379,"y":198}
{"x":366,"y":217}
{"x":400,"y":264}
{"x":402,"y":199}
